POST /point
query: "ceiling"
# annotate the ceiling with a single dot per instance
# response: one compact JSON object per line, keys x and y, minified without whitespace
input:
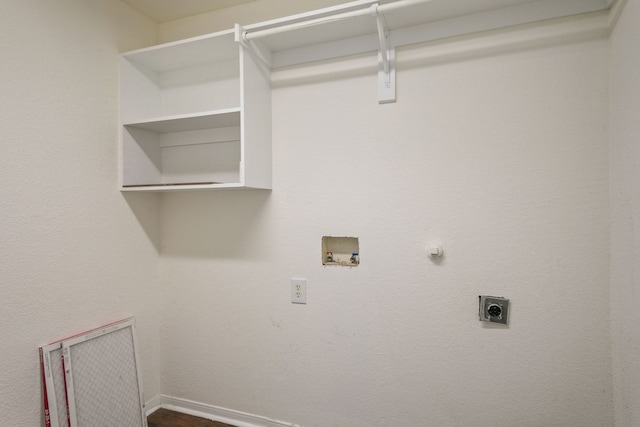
{"x":169,"y":10}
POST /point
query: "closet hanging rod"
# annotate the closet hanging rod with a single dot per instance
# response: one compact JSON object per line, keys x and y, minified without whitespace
{"x":373,"y":9}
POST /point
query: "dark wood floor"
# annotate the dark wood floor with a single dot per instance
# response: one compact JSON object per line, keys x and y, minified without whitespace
{"x":166,"y":418}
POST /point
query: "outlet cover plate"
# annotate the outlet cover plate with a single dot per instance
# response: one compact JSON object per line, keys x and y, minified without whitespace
{"x":494,"y":309}
{"x":299,"y":291}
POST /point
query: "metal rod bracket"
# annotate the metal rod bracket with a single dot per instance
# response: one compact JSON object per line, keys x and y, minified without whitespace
{"x":386,"y":60}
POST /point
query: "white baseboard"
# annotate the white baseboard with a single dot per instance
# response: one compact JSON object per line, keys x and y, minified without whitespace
{"x":213,"y":413}
{"x":152,"y":405}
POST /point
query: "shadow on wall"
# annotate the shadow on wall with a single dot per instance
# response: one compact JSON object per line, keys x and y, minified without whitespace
{"x":496,"y":42}
{"x":216,"y":224}
{"x":146,"y":208}
{"x":327,"y":70}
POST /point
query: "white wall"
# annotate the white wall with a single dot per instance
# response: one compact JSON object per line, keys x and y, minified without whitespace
{"x":74,"y":253}
{"x":503,"y":156}
{"x":223,"y":19}
{"x":625,"y":211}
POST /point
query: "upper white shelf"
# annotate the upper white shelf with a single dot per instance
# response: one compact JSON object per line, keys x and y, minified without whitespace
{"x":414,"y":22}
{"x":187,"y":53}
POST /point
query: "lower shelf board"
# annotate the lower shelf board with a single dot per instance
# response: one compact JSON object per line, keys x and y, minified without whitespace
{"x":168,"y":184}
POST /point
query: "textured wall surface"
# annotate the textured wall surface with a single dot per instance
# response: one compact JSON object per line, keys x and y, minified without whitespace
{"x":625,"y":211}
{"x":245,"y":14}
{"x":503,"y":156}
{"x":74,"y":252}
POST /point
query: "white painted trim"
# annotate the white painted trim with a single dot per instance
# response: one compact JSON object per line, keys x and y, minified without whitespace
{"x":152,"y":405}
{"x":214,"y":413}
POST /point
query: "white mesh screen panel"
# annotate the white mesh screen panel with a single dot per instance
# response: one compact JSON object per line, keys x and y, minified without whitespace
{"x":102,"y":379}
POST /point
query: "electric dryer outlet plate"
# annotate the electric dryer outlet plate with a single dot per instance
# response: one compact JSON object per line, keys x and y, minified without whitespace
{"x":494,"y":309}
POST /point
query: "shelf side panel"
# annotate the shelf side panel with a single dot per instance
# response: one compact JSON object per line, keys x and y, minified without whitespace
{"x":256,"y":123}
{"x":141,"y":157}
{"x":140,"y":95}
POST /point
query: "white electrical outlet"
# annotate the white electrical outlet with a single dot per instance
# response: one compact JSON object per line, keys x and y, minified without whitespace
{"x":299,"y":291}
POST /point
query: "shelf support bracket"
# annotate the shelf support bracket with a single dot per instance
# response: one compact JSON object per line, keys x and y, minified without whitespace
{"x":386,"y":61}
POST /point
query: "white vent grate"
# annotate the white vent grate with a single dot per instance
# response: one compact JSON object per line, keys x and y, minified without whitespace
{"x":102,"y":378}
